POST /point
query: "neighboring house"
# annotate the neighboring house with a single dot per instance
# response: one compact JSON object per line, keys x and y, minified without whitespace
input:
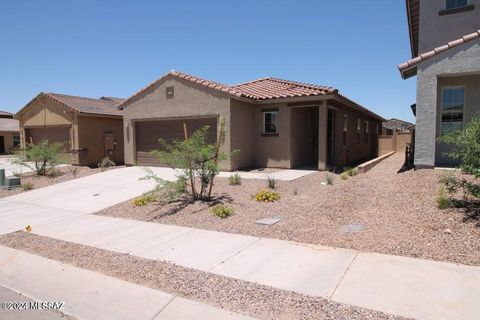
{"x":445,"y":44}
{"x":272,"y":122}
{"x":9,"y":136}
{"x":89,"y":129}
{"x":395,"y":125}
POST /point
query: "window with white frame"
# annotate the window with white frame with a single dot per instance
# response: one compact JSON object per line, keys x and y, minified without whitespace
{"x":455,"y":4}
{"x":365,"y":133}
{"x":270,"y":122}
{"x":16,"y":140}
{"x":345,"y":129}
{"x":453,"y":103}
{"x":359,"y":130}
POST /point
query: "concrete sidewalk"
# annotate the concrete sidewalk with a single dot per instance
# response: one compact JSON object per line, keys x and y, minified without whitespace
{"x":402,"y":286}
{"x":91,"y":295}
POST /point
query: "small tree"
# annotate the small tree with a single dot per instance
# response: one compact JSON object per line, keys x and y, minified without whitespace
{"x":41,"y":157}
{"x":197,"y":158}
{"x":466,"y":148}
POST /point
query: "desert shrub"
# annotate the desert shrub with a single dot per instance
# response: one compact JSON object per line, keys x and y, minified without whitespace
{"x":144,"y":199}
{"x":167,"y":191}
{"x":267,"y":196}
{"x":222,"y":211}
{"x":44,"y":155}
{"x":344,"y":175}
{"x":198,"y":160}
{"x":443,"y":201}
{"x":466,"y":149}
{"x":27,"y":186}
{"x":235,"y":180}
{"x":271,"y":182}
{"x":329,"y":178}
{"x":106,"y":163}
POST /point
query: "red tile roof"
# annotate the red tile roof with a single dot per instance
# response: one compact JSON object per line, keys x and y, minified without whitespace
{"x":257,"y":90}
{"x":427,"y":55}
{"x":6,"y":114}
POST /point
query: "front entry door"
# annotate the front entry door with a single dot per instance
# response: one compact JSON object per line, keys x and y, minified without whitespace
{"x":109,"y":145}
{"x":2,"y":144}
{"x":331,"y":139}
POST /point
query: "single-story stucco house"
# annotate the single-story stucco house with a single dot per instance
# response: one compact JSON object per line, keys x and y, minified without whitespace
{"x":445,"y":45}
{"x":9,"y":133}
{"x":271,"y":122}
{"x":90,"y":129}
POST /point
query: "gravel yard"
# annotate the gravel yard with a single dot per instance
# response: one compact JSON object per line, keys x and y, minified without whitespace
{"x":261,"y":302}
{"x":379,"y":211}
{"x":62,"y":174}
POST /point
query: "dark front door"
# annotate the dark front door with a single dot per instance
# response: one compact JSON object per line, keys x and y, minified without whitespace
{"x":2,"y":144}
{"x":331,"y":138}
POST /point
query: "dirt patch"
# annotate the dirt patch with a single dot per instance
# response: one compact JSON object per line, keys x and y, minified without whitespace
{"x":62,"y":174}
{"x":249,"y":298}
{"x":395,"y":214}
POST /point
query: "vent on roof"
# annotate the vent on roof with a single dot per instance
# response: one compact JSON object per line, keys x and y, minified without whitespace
{"x":169,"y":92}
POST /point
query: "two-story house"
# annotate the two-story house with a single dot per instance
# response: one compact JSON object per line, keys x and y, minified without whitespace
{"x":445,"y":45}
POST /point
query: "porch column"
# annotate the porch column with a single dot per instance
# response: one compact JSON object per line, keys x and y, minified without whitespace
{"x":322,"y":136}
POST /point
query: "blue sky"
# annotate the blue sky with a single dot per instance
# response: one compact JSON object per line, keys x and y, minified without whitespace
{"x":114,"y":48}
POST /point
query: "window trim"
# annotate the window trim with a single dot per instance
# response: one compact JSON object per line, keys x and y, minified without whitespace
{"x":441,"y":104}
{"x":264,"y":112}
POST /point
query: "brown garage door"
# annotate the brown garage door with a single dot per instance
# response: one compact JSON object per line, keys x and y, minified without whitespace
{"x":52,"y":134}
{"x":147,"y":134}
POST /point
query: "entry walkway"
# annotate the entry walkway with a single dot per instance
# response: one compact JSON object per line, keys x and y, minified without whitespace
{"x":90,"y":295}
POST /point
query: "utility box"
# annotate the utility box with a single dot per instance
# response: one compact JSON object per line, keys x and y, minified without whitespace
{"x":11,"y":182}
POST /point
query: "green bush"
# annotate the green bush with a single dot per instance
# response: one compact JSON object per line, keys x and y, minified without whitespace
{"x":235,"y":180}
{"x":329,"y":178}
{"x":222,"y":211}
{"x":106,"y":163}
{"x":144,"y":199}
{"x":271,"y":182}
{"x":443,"y":201}
{"x":344,"y":175}
{"x":27,"y":186}
{"x":44,"y":155}
{"x":266,"y":196}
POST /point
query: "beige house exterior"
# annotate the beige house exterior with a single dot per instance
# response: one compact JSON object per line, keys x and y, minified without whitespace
{"x":89,"y":129}
{"x":271,"y":122}
{"x":9,"y":133}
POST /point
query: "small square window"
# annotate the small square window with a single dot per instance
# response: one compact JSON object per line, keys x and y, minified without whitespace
{"x":270,"y":122}
{"x":455,"y":4}
{"x":16,"y":140}
{"x":169,"y":92}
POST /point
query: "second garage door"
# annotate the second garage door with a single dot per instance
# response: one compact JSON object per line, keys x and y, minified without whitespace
{"x":147,"y":134}
{"x":52,"y":134}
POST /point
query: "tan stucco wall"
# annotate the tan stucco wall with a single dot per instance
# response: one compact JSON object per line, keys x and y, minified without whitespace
{"x":272,"y":151}
{"x":8,"y":139}
{"x":46,"y":112}
{"x":242,"y":134}
{"x":189,"y":100}
{"x":471,"y":108}
{"x":91,"y":137}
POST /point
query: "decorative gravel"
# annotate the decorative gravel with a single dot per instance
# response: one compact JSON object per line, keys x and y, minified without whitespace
{"x":62,"y":174}
{"x":261,"y":302}
{"x":397,"y":213}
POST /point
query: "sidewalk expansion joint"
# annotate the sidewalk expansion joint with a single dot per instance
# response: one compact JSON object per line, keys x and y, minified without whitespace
{"x":166,"y":305}
{"x":343,"y":276}
{"x":235,"y":254}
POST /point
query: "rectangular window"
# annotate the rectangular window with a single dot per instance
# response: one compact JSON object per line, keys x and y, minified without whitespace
{"x":453,"y":100}
{"x":16,"y":140}
{"x":454,"y":4}
{"x":270,"y":122}
{"x":359,"y":129}
{"x":345,"y":129}
{"x":365,"y":134}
